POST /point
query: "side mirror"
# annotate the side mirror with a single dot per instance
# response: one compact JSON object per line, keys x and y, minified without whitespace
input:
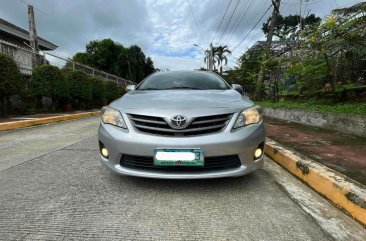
{"x":238,"y":88}
{"x":130,"y":88}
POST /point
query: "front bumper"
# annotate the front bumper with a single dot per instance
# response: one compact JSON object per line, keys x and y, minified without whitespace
{"x":242,"y":142}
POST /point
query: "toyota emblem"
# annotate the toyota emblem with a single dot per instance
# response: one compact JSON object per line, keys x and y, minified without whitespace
{"x":179,"y":122}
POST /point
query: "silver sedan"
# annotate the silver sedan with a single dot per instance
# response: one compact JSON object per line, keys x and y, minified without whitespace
{"x":182,"y":125}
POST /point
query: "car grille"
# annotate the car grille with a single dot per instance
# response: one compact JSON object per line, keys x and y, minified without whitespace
{"x":199,"y":126}
{"x":211,"y":163}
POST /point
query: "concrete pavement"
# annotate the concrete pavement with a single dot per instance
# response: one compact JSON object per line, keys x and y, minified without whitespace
{"x":18,"y":146}
{"x":54,"y":188}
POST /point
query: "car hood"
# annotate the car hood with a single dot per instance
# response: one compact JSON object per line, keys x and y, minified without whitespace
{"x":182,"y":99}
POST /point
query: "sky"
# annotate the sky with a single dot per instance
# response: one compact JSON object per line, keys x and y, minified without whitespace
{"x":166,"y":30}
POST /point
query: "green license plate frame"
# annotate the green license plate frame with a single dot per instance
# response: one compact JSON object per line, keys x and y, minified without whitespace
{"x":198,"y":162}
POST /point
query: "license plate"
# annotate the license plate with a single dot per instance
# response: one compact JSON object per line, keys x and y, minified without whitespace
{"x":178,"y":157}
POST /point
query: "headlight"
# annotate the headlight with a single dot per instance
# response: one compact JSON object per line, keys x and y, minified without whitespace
{"x":113,"y":117}
{"x":249,"y":116}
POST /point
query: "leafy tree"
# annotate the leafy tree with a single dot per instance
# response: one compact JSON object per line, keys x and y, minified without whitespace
{"x":247,"y":72}
{"x":309,"y":75}
{"x":286,"y":27}
{"x":112,"y":57}
{"x":10,"y":80}
{"x":149,"y":67}
{"x":339,"y":42}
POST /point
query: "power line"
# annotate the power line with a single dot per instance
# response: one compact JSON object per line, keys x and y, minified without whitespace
{"x":252,"y":22}
{"x":252,"y":28}
{"x":229,"y":21}
{"x":306,"y":3}
{"x":226,"y":39}
{"x":222,"y":19}
{"x":194,"y":18}
{"x":238,"y":19}
{"x":40,"y":11}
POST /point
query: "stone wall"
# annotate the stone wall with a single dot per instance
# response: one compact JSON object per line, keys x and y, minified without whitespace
{"x":349,"y":124}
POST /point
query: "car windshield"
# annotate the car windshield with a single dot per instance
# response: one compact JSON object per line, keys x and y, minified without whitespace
{"x":184,"y":80}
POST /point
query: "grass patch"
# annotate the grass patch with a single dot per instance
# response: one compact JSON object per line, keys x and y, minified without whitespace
{"x":354,"y":108}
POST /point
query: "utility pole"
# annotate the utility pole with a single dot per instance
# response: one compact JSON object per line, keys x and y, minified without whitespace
{"x":276,"y":10}
{"x":210,"y":57}
{"x":207,"y":59}
{"x":301,"y":19}
{"x":33,"y":40}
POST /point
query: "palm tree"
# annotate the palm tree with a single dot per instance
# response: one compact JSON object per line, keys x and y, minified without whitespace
{"x":221,"y":53}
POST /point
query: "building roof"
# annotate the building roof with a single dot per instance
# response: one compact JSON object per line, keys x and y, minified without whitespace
{"x":22,"y":34}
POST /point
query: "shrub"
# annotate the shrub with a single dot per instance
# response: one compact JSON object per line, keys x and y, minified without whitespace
{"x":80,"y":85}
{"x":111,"y":90}
{"x":48,"y":80}
{"x":10,"y":79}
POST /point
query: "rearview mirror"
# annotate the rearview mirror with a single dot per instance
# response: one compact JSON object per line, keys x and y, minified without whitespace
{"x":130,"y":88}
{"x":238,"y":88}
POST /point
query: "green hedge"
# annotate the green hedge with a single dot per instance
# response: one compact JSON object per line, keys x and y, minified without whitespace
{"x":112,"y":91}
{"x":98,"y":88}
{"x":10,"y":77}
{"x":47,"y":80}
{"x":63,"y":86}
{"x":11,"y":82}
{"x":80,"y":85}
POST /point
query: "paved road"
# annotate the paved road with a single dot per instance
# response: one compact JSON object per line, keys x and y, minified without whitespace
{"x":54,"y":188}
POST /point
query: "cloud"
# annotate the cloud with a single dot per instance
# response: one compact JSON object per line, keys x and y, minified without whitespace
{"x":178,"y":63}
{"x":164,"y":29}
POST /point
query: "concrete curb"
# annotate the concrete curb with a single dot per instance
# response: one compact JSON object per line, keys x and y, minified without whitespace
{"x":47,"y":120}
{"x":347,"y":194}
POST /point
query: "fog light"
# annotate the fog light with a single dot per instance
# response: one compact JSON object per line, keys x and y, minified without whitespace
{"x":104,"y":152}
{"x":258,"y":153}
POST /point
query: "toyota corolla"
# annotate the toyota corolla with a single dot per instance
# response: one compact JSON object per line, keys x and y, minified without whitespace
{"x":182,"y":125}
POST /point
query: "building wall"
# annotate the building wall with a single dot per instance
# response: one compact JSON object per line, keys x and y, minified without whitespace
{"x":24,"y":61}
{"x":22,"y":56}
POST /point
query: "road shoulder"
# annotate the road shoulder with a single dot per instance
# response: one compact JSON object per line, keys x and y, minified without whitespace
{"x":330,"y":219}
{"x":342,"y":191}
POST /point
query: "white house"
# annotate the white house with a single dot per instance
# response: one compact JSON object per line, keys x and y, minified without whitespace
{"x":14,"y":41}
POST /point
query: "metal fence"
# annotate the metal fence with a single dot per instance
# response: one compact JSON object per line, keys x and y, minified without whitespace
{"x":67,"y":63}
{"x":23,"y":57}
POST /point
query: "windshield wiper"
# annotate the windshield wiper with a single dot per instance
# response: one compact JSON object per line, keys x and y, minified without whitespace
{"x":150,"y":89}
{"x":182,"y":87}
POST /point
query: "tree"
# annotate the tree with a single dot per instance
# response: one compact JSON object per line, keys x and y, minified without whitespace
{"x":335,"y":49}
{"x":286,"y":27}
{"x":247,"y":72}
{"x":10,"y":80}
{"x":149,"y":67}
{"x":112,"y":57}
{"x":221,"y":53}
